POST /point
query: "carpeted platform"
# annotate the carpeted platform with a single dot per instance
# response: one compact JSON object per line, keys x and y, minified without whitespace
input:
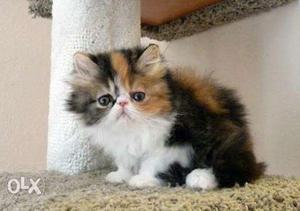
{"x":89,"y":192}
{"x":221,"y":13}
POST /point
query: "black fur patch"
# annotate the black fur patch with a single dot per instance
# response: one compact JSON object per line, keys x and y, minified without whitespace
{"x":220,"y":141}
{"x":175,"y":175}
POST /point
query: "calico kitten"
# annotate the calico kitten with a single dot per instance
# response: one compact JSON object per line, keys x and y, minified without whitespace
{"x":162,"y":126}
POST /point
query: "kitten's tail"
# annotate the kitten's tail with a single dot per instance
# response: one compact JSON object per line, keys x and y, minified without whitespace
{"x":259,"y":170}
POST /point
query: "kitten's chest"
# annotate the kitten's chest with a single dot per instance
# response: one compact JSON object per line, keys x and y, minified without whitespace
{"x":134,"y":142}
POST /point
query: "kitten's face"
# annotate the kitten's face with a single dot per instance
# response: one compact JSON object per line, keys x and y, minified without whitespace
{"x":121,"y":87}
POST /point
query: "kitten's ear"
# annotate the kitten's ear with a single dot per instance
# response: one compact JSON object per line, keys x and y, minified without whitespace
{"x":150,"y":56}
{"x":84,"y":65}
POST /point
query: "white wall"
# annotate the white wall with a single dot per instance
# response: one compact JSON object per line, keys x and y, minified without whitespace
{"x":24,"y":87}
{"x":260,"y":57}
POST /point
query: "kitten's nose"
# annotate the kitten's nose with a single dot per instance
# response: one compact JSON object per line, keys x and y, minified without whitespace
{"x":122,"y":101}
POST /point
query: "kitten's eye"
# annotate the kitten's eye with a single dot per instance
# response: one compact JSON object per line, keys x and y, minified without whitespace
{"x":105,"y":100}
{"x":138,"y":96}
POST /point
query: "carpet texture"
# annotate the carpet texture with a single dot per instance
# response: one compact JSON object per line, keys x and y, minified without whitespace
{"x":221,"y":13}
{"x":89,"y":191}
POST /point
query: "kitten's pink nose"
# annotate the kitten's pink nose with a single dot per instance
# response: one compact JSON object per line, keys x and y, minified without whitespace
{"x":123,"y":103}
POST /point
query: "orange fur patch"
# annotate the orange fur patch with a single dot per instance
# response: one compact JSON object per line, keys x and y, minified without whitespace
{"x":157,"y":95}
{"x":120,"y":65}
{"x":202,"y":89}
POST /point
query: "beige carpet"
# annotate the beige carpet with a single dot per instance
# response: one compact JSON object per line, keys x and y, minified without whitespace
{"x":89,"y":192}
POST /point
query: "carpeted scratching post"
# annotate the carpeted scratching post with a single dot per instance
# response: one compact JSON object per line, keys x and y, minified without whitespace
{"x":89,"y":26}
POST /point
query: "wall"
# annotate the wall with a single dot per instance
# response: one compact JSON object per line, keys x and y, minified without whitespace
{"x":260,"y":57}
{"x":24,"y":82}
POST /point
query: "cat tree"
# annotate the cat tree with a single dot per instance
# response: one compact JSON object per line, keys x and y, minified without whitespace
{"x":95,"y":26}
{"x":89,"y":26}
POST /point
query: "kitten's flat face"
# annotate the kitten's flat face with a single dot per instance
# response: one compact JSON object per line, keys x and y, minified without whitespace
{"x":120,"y":87}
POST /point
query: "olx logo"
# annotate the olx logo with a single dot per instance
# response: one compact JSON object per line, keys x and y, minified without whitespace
{"x":14,"y":186}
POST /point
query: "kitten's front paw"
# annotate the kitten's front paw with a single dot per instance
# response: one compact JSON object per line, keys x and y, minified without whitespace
{"x":117,"y":177}
{"x":140,"y":181}
{"x":201,"y":178}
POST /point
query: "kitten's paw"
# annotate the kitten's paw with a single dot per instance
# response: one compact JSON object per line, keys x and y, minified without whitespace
{"x":117,"y":177}
{"x":201,"y":178}
{"x":140,"y":181}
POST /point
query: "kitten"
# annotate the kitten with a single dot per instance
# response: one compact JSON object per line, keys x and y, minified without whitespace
{"x":162,"y":126}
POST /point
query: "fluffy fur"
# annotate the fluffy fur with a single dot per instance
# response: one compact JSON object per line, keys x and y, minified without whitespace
{"x":161,"y":125}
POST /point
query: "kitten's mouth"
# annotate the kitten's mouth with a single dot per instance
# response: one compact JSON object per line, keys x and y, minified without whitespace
{"x":123,"y":114}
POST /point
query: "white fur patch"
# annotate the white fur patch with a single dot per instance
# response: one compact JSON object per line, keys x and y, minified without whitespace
{"x":201,"y":178}
{"x":118,"y":177}
{"x":141,"y":181}
{"x":140,"y":149}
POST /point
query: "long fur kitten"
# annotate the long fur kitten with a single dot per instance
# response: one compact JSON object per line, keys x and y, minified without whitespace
{"x":162,"y":126}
